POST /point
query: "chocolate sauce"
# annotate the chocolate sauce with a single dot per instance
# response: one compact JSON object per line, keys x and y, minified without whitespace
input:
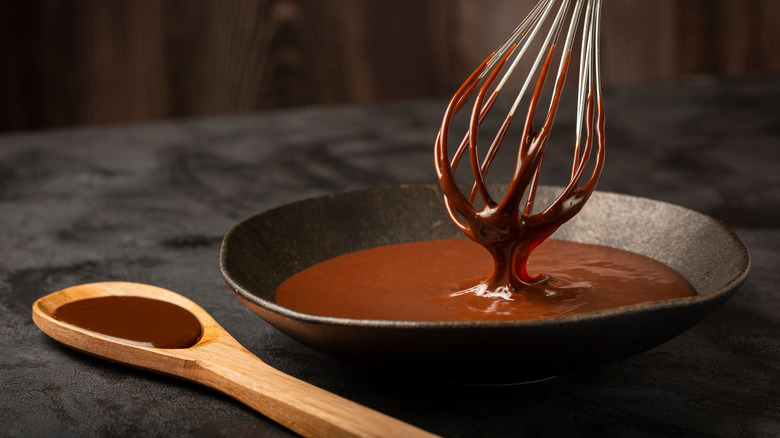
{"x":136,"y":320}
{"x":440,"y":280}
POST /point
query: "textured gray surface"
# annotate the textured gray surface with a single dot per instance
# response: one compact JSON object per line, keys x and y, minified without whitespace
{"x":151,"y":203}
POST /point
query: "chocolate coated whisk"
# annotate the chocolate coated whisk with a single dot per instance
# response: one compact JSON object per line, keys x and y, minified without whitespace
{"x":510,"y":228}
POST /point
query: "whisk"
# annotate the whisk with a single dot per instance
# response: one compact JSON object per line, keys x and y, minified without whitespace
{"x":510,"y":227}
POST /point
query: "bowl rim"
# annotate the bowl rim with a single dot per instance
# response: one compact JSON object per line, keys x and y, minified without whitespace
{"x":701,"y":297}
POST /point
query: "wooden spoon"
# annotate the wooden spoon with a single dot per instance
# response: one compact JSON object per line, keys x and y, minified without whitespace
{"x":220,"y":362}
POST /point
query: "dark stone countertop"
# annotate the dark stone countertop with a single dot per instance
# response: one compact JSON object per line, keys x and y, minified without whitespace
{"x":150,"y":203}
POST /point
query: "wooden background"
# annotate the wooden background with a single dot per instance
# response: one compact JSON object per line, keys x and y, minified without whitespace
{"x":70,"y":62}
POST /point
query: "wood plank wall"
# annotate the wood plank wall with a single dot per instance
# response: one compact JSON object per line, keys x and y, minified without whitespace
{"x":70,"y":62}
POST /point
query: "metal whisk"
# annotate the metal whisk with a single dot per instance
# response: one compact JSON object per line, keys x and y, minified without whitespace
{"x":510,"y":228}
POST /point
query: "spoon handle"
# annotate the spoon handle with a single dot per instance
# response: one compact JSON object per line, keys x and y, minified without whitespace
{"x":301,"y":407}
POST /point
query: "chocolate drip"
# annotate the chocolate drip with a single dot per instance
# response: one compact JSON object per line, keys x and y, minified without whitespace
{"x":507,"y":228}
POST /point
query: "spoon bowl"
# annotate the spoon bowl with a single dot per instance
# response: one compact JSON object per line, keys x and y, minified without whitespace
{"x":217,"y":360}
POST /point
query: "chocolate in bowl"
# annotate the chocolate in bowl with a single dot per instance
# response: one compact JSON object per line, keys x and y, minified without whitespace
{"x":259,"y":253}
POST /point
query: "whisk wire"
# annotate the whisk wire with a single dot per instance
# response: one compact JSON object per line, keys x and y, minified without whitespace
{"x":551,"y":38}
{"x":532,"y":148}
{"x":520,"y":33}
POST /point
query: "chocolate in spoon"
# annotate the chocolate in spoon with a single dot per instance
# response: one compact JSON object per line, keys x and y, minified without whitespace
{"x":209,"y":356}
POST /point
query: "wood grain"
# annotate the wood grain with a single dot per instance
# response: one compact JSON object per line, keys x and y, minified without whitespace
{"x":220,"y":362}
{"x":69,"y":62}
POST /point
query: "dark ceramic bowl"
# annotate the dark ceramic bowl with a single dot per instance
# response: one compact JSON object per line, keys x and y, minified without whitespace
{"x":261,"y":252}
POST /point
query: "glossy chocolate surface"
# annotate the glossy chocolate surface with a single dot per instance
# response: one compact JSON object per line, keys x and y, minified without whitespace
{"x":443,"y":280}
{"x":136,"y":320}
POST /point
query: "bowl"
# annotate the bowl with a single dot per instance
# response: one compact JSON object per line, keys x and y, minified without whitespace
{"x":259,"y":253}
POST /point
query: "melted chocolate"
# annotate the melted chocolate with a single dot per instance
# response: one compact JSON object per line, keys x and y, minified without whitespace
{"x":136,"y":320}
{"x":439,"y":280}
